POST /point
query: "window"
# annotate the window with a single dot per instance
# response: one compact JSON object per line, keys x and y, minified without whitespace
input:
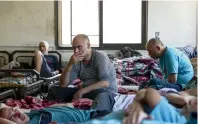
{"x":109,"y":24}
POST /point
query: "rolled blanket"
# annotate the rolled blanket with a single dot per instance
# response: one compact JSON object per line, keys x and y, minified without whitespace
{"x":83,"y":103}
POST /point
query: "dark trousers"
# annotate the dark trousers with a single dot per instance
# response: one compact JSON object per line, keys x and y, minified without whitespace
{"x":158,"y":83}
{"x":59,"y":93}
{"x":103,"y":100}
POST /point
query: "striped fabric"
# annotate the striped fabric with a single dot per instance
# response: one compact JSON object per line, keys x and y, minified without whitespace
{"x":190,"y":51}
{"x":136,"y":70}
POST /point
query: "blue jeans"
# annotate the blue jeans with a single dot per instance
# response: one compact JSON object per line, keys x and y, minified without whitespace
{"x":158,"y":83}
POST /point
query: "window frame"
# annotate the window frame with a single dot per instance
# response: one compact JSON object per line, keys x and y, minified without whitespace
{"x":136,"y":46}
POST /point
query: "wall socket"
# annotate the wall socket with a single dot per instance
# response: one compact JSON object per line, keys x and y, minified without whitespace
{"x":157,"y":34}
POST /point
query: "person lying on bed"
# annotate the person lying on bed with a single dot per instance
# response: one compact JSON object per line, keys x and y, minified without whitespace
{"x":59,"y":113}
{"x":149,"y":104}
{"x":40,"y":62}
{"x":93,"y":68}
{"x":63,"y":113}
{"x":149,"y":107}
{"x":175,"y":65}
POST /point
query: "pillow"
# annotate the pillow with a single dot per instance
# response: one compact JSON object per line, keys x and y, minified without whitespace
{"x":193,"y":54}
{"x":188,"y":50}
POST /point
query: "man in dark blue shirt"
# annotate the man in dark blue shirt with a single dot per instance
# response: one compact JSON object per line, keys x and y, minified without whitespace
{"x":46,"y":65}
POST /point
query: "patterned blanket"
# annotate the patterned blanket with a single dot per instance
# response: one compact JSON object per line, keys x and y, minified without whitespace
{"x":135,"y":70}
{"x":36,"y":103}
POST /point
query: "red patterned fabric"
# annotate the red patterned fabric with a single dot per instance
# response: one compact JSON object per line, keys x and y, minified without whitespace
{"x":136,"y":70}
{"x":83,"y":103}
{"x":30,"y":103}
{"x":34,"y":103}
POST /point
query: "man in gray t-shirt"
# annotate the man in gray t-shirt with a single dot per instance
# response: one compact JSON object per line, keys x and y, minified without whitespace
{"x":99,"y":69}
{"x":93,"y":68}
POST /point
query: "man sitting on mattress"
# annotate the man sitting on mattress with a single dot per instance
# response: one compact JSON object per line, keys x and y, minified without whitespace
{"x":41,"y":61}
{"x":175,"y":65}
{"x":93,"y":68}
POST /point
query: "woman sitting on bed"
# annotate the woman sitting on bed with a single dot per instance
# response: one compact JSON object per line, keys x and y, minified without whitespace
{"x":40,"y":61}
{"x":64,"y":113}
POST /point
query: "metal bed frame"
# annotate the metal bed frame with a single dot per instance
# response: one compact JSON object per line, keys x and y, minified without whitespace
{"x":47,"y":82}
{"x":29,"y":89}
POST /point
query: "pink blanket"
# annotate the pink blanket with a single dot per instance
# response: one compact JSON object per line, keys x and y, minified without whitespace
{"x":30,"y":103}
{"x":35,"y":103}
{"x":83,"y":103}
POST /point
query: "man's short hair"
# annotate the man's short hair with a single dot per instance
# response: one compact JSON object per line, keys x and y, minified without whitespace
{"x":156,"y":41}
{"x":45,"y":42}
{"x":85,"y":37}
